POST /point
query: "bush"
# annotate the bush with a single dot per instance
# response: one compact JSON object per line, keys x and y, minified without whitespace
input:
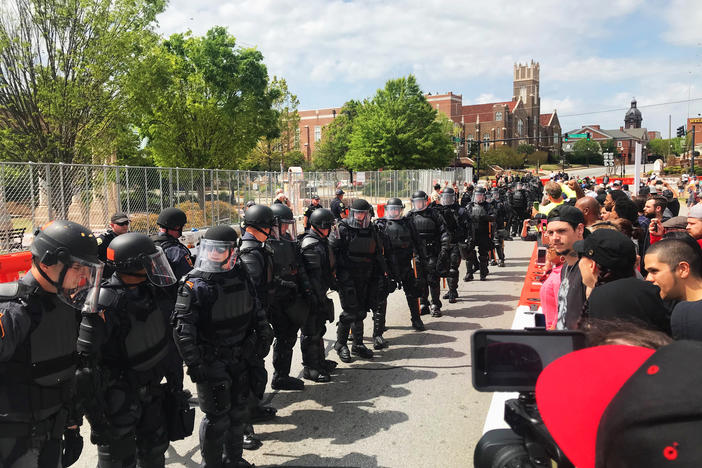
{"x":143,"y":222}
{"x":540,"y":157}
{"x":674,"y":170}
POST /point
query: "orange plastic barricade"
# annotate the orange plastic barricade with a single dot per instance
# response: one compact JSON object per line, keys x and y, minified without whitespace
{"x":14,"y":265}
{"x":532,"y":281}
{"x":380,"y":212}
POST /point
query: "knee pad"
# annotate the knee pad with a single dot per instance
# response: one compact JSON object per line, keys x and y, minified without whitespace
{"x":215,"y":397}
{"x":214,"y":427}
{"x":453,"y":273}
{"x":118,"y":453}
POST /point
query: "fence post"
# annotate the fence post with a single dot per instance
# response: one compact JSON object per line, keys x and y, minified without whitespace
{"x":104,"y":190}
{"x":146,"y":199}
{"x":212,"y":199}
{"x":129,"y":193}
{"x":88,"y":192}
{"x":33,"y":202}
{"x":119,"y":192}
{"x":63,"y":214}
{"x":160,"y":189}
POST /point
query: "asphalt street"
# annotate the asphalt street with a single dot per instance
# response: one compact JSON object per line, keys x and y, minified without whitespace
{"x":412,"y":405}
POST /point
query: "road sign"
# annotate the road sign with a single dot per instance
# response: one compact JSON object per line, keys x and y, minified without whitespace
{"x":577,"y":135}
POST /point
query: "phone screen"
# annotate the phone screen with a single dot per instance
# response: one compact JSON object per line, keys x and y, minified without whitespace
{"x":511,"y":360}
{"x":541,"y":256}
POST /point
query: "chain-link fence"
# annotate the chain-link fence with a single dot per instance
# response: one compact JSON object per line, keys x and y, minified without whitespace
{"x":33,"y":194}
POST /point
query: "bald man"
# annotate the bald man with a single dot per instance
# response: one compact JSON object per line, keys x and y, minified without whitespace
{"x":590,"y":208}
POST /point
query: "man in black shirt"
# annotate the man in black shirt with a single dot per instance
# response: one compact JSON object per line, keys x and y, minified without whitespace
{"x":119,"y":224}
{"x":310,"y":209}
{"x":675,"y":266}
{"x":565,"y":226}
{"x":337,"y":206}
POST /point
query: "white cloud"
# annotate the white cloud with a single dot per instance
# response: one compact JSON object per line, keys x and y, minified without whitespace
{"x":684,"y":19}
{"x":485,"y":98}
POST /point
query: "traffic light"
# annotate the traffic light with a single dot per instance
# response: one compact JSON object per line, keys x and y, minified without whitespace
{"x":565,"y":137}
{"x":681,"y":131}
{"x":587,"y":137}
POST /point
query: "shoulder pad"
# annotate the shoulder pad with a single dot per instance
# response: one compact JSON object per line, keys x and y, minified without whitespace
{"x":15,"y":290}
{"x":308,"y":242}
{"x":109,"y":296}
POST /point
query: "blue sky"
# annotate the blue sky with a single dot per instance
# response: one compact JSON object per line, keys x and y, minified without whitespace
{"x":594,"y":56}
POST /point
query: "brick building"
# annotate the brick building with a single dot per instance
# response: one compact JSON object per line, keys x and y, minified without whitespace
{"x":625,"y":138}
{"x":506,"y":122}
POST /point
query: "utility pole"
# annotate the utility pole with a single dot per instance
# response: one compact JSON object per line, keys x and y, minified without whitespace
{"x":692,"y":157}
{"x":670,"y":136}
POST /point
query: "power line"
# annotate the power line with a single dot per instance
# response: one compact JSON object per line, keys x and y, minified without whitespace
{"x":626,"y":108}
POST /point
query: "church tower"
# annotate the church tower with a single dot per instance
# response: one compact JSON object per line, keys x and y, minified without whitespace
{"x":633,"y":117}
{"x":526,"y":88}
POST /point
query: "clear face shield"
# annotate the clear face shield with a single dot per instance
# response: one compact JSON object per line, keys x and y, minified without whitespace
{"x":419,"y":204}
{"x":158,"y":270}
{"x":285,"y":229}
{"x":393,"y":211}
{"x":216,"y":256}
{"x":478,"y":197}
{"x":79,"y":284}
{"x":488,"y":197}
{"x":496,"y":196}
{"x":359,"y":219}
{"x":448,"y":199}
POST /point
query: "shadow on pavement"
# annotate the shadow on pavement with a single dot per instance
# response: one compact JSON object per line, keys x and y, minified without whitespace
{"x":422,"y":338}
{"x":480,"y":311}
{"x":175,"y":459}
{"x":352,"y":460}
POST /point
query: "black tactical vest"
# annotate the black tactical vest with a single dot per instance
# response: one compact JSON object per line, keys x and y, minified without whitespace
{"x":284,"y":259}
{"x":362,"y":246}
{"x":519,"y":199}
{"x":230,"y":315}
{"x":426,"y":226}
{"x":143,"y":335}
{"x":399,"y":235}
{"x":37,"y":380}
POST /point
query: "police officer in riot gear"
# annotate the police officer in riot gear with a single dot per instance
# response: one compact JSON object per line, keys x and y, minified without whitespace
{"x":467,"y":195}
{"x":400,"y":242}
{"x":457,"y":226}
{"x":432,"y":232}
{"x":501,"y":226}
{"x":319,"y":264}
{"x":39,"y":320}
{"x":290,"y":299}
{"x":218,"y":324}
{"x":360,"y":270}
{"x":256,"y":259}
{"x":519,"y":205}
{"x":481,"y":215}
{"x":123,"y":351}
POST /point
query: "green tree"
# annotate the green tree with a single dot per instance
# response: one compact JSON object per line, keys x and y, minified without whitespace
{"x":331,"y":151}
{"x":504,"y":156}
{"x":525,"y":149}
{"x":586,"y":152}
{"x":398,"y":129}
{"x":663,"y":147}
{"x":609,"y":146}
{"x":62,"y":67}
{"x":278,"y":145}
{"x":202,"y":101}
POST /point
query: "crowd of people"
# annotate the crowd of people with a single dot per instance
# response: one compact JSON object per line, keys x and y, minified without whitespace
{"x":627,"y":270}
{"x":102,"y":327}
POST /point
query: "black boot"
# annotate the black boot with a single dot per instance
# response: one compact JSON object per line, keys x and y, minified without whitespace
{"x":417,"y":324}
{"x":342,"y":336}
{"x":452,"y":296}
{"x":447,"y":295}
{"x":328,"y":365}
{"x":424,"y":310}
{"x":378,"y":328}
{"x":436,"y":311}
{"x":250,"y":441}
{"x":501,"y":264}
{"x":468,"y":277}
{"x":358,"y":348}
{"x":315,"y":375}
{"x":416,"y":321}
{"x":379,"y":342}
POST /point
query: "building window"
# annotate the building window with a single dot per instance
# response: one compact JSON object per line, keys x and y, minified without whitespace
{"x":486,"y":136}
{"x":498,"y":116}
{"x":520,"y":127}
{"x":619,"y":144}
{"x":523,"y":93}
{"x":317,"y":133}
{"x":297,"y":138}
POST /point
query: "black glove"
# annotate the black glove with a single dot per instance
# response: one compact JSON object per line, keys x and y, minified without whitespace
{"x":197,"y":373}
{"x":391,"y":285}
{"x":72,"y":447}
{"x":264,"y":335}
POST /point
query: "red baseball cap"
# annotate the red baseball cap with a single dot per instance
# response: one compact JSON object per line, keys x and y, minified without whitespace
{"x":625,"y":406}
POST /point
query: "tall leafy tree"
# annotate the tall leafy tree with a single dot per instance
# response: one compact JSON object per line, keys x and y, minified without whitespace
{"x":202,"y":101}
{"x":331,"y":151}
{"x":398,"y":129}
{"x":62,"y":66}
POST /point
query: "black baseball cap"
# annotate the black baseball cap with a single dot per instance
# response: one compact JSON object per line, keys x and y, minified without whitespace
{"x":339,"y":192}
{"x":119,"y":218}
{"x":608,"y":248}
{"x":315,"y":197}
{"x":620,"y":405}
{"x":567,"y":213}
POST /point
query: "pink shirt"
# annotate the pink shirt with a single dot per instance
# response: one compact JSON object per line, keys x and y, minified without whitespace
{"x":549,"y":296}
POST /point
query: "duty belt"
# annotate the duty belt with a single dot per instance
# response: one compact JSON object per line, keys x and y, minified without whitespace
{"x":51,"y":427}
{"x":222,"y":353}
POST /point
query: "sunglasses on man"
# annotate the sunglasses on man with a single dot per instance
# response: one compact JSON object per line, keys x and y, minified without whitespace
{"x":126,"y":223}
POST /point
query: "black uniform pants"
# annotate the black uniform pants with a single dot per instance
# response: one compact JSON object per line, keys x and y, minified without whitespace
{"x":484,"y":244}
{"x":517,"y":219}
{"x":138,"y":426}
{"x":357,"y":297}
{"x":285,"y":331}
{"x":429,"y":282}
{"x":312,"y":340}
{"x":223,"y":398}
{"x":410,"y":287}
{"x":454,"y":263}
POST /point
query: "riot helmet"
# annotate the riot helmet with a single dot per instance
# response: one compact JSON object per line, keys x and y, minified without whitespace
{"x":249,"y":204}
{"x":394,"y":208}
{"x":284,"y":227}
{"x":259,"y":217}
{"x":136,"y":254}
{"x":217,"y":252}
{"x":479,"y":195}
{"x":359,"y":214}
{"x":519,"y":186}
{"x":172,"y":218}
{"x":74,"y":249}
{"x":419,"y":200}
{"x":496,"y":194}
{"x":322,"y":218}
{"x":448,"y":196}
